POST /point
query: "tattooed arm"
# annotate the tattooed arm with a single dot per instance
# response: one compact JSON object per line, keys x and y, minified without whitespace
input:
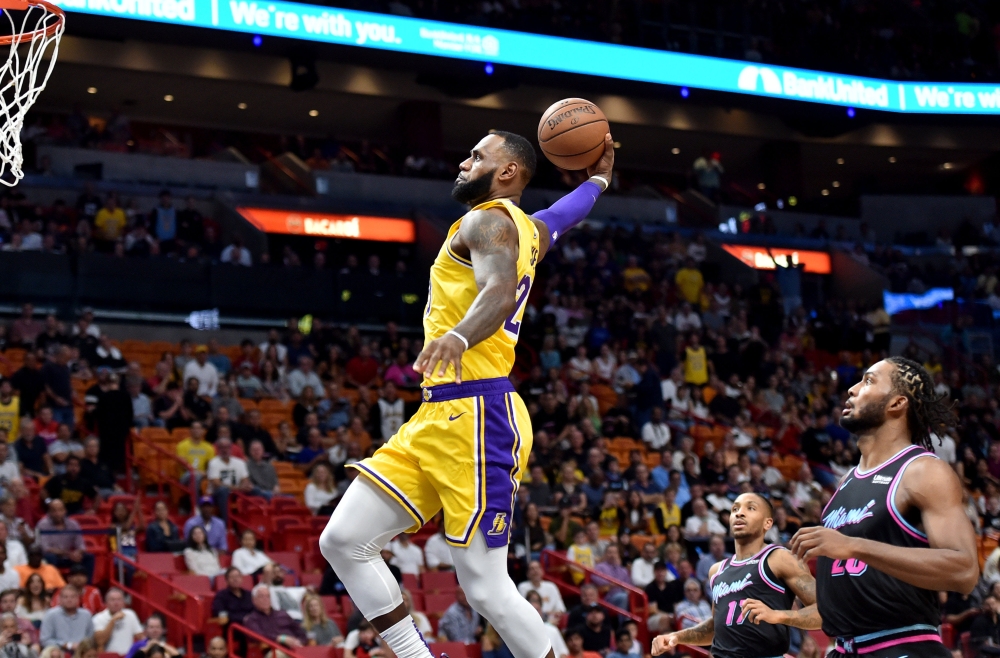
{"x":699,"y":636}
{"x":796,"y":576}
{"x":491,"y":241}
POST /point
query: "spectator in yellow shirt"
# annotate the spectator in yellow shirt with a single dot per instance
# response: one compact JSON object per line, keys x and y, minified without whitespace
{"x":695,"y":362}
{"x":689,"y":281}
{"x":635,"y":279}
{"x":110,"y":224}
{"x":197,"y":452}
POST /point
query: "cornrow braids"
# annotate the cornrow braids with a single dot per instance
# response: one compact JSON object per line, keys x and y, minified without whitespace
{"x":927,"y":412}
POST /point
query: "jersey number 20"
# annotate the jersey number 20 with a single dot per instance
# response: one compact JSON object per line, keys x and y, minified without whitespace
{"x":511,"y":325}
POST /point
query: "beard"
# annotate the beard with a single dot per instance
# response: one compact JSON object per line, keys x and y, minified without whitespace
{"x":868,"y":417}
{"x":472,"y":192}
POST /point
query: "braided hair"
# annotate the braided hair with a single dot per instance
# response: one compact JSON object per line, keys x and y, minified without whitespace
{"x":927,"y":412}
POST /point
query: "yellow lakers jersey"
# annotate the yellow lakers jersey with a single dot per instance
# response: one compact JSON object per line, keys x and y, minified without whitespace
{"x":453,"y":289}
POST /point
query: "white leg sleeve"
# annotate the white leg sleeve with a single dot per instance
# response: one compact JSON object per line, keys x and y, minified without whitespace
{"x":364,"y":522}
{"x":482,"y":573}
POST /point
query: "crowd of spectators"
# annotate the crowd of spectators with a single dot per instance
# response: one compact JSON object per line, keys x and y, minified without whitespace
{"x":953,"y":41}
{"x":657,"y":393}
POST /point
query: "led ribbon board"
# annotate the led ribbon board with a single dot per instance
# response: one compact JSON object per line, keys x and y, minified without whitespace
{"x":762,"y":258}
{"x":325,"y":225}
{"x":423,"y":37}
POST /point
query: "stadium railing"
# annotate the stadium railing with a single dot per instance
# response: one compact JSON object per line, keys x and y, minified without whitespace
{"x":558,"y":563}
{"x":156,"y":466}
{"x":157,"y":593}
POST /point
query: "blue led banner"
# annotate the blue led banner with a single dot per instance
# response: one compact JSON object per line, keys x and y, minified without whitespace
{"x":411,"y":35}
{"x":898,"y":302}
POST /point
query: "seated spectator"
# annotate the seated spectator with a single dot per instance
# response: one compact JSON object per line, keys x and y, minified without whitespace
{"x":437,"y":553}
{"x":162,"y":535}
{"x":597,"y":630}
{"x":61,"y":539}
{"x":236,"y":253}
{"x":224,"y":399}
{"x":50,"y":575}
{"x":95,"y":470}
{"x":226,"y":473}
{"x":9,"y":577}
{"x":623,"y":644}
{"x":304,"y":377}
{"x":8,"y":605}
{"x":215,"y":529}
{"x":194,"y":405}
{"x":197,"y":452}
{"x":203,"y":371}
{"x":574,"y":643}
{"x":233,"y":603}
{"x":254,"y":430}
{"x":249,"y":559}
{"x":263,"y":477}
{"x":362,"y":369}
{"x":34,"y":601}
{"x":401,"y":372}
{"x":69,"y":624}
{"x":319,"y":628}
{"x":16,"y":555}
{"x":551,"y":630}
{"x":169,"y":409}
{"x":13,"y":643}
{"x":694,"y":609}
{"x":643,"y":566}
{"x":272,"y":624}
{"x":155,"y":634}
{"x":217,"y":648}
{"x":421,"y":621}
{"x":32,"y":453}
{"x":656,"y":433}
{"x":125,"y":523}
{"x":716,"y":553}
{"x":703,"y":523}
{"x":86,"y":649}
{"x":321,"y":493}
{"x":60,"y":450}
{"x":248,"y":385}
{"x":45,"y":426}
{"x":460,"y":623}
{"x":200,"y":558}
{"x":553,"y":607}
{"x":70,"y":487}
{"x":363,"y":642}
{"x":661,"y":602}
{"x":406,"y":555}
{"x":90,"y":596}
{"x":581,"y":552}
{"x":116,"y":628}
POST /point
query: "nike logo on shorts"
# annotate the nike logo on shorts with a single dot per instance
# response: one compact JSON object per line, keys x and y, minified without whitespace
{"x":456,"y":417}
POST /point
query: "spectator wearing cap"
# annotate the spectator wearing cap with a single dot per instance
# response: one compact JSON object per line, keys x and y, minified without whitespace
{"x":272,"y":624}
{"x":214,"y":527}
{"x":67,"y":625}
{"x":90,"y":596}
{"x":596,"y":630}
{"x":201,"y":369}
{"x":116,"y":628}
{"x":61,"y":539}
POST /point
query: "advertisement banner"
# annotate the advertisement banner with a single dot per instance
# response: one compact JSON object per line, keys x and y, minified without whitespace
{"x":424,"y":37}
{"x":902,"y":301}
{"x":324,"y":225}
{"x":763,"y":258}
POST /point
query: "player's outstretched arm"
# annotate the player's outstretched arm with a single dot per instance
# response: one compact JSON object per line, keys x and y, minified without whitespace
{"x":492,"y":241}
{"x":797,"y":576}
{"x":951,"y":563}
{"x":573,"y":208}
{"x":699,"y":635}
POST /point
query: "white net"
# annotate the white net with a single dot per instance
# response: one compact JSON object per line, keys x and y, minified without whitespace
{"x":32,"y":43}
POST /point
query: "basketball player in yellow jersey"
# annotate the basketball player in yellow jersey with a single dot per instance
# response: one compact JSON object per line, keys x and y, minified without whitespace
{"x":466,"y":447}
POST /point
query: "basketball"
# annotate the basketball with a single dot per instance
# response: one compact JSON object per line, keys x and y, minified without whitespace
{"x":571,"y":133}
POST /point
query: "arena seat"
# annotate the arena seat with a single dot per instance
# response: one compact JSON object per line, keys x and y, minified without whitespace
{"x":220,"y":582}
{"x":437,"y":604}
{"x":330,"y":604}
{"x":289,"y":559}
{"x":161,"y":563}
{"x":311,"y":579}
{"x":195,"y":584}
{"x":410,"y":582}
{"x":453,"y":649}
{"x":439,"y":581}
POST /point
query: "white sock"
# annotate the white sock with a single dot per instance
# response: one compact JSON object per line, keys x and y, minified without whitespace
{"x":405,"y":640}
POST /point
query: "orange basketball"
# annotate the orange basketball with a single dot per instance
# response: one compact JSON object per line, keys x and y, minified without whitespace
{"x":571,"y":133}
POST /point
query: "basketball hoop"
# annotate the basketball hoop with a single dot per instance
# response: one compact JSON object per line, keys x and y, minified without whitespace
{"x":34,"y":25}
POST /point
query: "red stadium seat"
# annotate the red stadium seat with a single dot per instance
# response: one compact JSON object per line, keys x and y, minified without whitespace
{"x":410,"y":582}
{"x":194,"y":584}
{"x":159,"y":563}
{"x":436,"y":604}
{"x":315,"y":652}
{"x":331,"y":605}
{"x":439,"y":581}
{"x":311,"y":579}
{"x":288,"y":559}
{"x":453,"y":649}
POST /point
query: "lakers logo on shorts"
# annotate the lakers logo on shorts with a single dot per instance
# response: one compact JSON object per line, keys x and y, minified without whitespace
{"x":499,"y":524}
